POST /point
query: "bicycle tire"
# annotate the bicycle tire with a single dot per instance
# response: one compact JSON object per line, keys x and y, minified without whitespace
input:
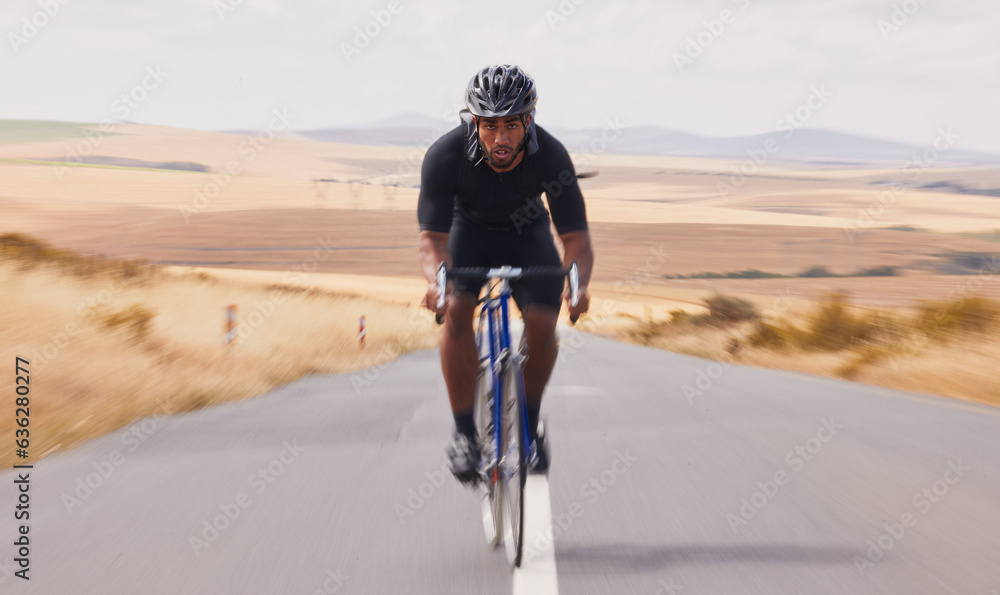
{"x":513,"y":471}
{"x":489,"y":494}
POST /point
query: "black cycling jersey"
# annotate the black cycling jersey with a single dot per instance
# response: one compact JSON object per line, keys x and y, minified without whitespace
{"x":454,"y":189}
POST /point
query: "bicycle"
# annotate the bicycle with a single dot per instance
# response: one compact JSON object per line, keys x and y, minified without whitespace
{"x":502,"y":423}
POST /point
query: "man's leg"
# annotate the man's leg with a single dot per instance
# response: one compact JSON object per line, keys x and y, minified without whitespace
{"x":460,"y":363}
{"x":540,"y":333}
{"x":459,"y":358}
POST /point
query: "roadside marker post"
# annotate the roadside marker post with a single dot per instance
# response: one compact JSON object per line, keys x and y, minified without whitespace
{"x":230,"y":335}
{"x":361,"y":331}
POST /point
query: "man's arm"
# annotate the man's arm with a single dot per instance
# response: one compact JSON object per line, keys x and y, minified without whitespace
{"x":576,"y":246}
{"x":432,"y":248}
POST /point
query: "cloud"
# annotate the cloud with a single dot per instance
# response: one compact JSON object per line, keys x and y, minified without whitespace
{"x":594,"y":60}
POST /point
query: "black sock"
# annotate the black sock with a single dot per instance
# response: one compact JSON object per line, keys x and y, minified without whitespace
{"x":465,"y":424}
{"x":532,"y":411}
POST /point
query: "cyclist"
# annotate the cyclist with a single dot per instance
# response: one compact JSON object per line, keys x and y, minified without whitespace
{"x":480,"y":206}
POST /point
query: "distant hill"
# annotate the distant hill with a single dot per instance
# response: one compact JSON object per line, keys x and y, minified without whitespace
{"x":814,"y":146}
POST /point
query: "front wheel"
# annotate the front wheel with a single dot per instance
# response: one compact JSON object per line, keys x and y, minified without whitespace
{"x":513,"y":471}
{"x":489,"y":488}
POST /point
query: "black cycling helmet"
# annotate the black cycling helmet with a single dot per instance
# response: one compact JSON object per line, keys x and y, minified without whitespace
{"x":501,"y":90}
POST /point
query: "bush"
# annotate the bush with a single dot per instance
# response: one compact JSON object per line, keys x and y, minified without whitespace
{"x":680,"y":316}
{"x":724,"y":310}
{"x":817,"y":272}
{"x":833,"y":327}
{"x":867,"y":355}
{"x":975,"y":314}
{"x":884,"y":271}
{"x":773,"y":336}
{"x":755,"y":274}
{"x":135,"y":320}
{"x":27,"y":252}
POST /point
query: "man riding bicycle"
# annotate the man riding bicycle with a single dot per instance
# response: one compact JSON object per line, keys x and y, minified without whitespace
{"x":480,"y":206}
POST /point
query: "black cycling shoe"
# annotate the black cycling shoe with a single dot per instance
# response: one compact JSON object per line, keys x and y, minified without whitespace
{"x":463,"y":453}
{"x":538,"y":458}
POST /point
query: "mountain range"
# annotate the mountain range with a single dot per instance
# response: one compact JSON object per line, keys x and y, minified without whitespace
{"x":806,"y":145}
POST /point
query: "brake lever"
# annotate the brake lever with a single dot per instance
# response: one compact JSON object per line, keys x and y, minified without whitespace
{"x":442,"y":284}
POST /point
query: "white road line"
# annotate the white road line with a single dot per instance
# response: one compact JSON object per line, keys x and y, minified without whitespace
{"x":537,"y":574}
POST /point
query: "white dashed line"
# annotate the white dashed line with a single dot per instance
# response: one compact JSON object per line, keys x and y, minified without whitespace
{"x":537,"y":574}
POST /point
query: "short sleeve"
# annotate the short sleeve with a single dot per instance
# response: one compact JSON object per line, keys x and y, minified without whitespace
{"x":566,"y":205}
{"x":439,"y":183}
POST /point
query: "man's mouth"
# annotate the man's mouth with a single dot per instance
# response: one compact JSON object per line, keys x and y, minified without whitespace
{"x":501,"y":154}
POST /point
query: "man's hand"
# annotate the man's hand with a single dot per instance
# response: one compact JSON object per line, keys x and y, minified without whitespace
{"x":582,"y":304}
{"x":433,"y":250}
{"x":576,"y":245}
{"x":431,"y":299}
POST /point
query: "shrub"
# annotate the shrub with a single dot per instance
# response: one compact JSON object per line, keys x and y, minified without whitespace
{"x":27,"y":252}
{"x":680,"y":316}
{"x":883,"y":271}
{"x":867,"y":355}
{"x":817,"y":272}
{"x":774,"y":336}
{"x":725,"y":309}
{"x":135,"y":320}
{"x":833,"y":327}
{"x":974,"y":314}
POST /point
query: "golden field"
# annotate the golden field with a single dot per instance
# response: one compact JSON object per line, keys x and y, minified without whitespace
{"x":106,"y":349}
{"x":343,"y":218}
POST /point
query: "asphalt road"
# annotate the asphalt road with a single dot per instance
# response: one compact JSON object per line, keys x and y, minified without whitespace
{"x":752,"y":481}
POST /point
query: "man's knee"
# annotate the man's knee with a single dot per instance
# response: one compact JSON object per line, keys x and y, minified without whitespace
{"x":540,"y":322}
{"x":461,"y":309}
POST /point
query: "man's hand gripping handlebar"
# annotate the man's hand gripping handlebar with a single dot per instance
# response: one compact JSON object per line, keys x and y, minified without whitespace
{"x":508,"y":273}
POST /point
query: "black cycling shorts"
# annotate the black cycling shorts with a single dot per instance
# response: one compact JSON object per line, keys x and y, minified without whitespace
{"x":471,"y":245}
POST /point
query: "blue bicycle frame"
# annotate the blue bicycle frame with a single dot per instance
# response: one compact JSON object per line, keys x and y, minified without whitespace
{"x":494,"y":326}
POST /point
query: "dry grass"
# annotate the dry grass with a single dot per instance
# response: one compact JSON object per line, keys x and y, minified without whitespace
{"x":106,"y":348}
{"x":948,"y":348}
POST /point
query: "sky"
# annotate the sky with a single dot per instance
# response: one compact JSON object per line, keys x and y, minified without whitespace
{"x":888,"y":69}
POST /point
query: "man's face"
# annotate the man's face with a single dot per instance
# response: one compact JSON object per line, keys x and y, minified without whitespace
{"x":500,"y":138}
